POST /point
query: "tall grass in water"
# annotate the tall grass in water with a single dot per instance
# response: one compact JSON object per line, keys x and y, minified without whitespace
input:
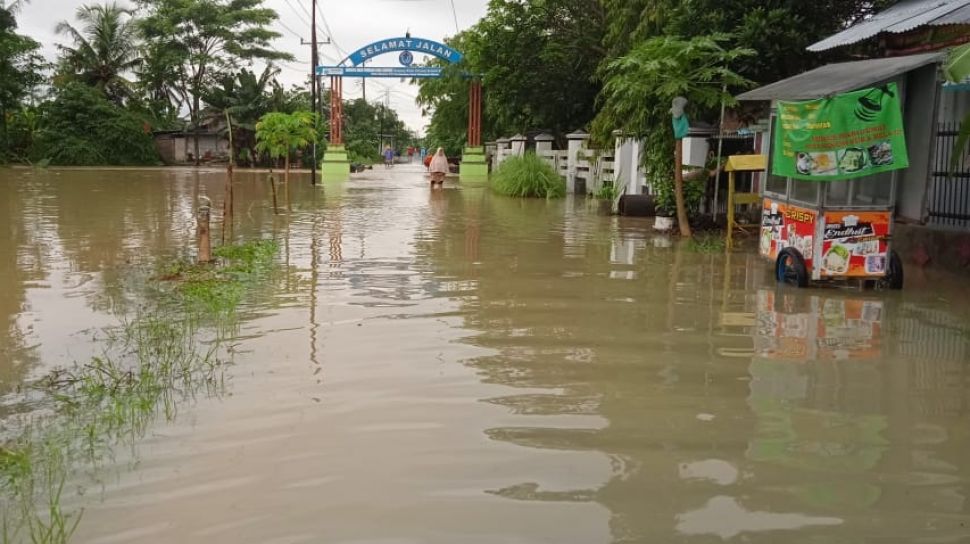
{"x":527,"y":176}
{"x":149,"y":365}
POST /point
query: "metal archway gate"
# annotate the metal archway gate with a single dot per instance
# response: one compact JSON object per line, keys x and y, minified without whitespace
{"x":336,"y":163}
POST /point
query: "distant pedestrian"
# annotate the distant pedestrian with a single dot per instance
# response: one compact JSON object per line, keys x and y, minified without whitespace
{"x":388,"y":156}
{"x":410,"y":153}
{"x":439,"y":168}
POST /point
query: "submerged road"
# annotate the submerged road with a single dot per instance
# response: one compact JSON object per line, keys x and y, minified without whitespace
{"x":455,"y":367}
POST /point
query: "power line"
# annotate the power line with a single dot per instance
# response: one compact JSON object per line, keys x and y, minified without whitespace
{"x":301,"y":17}
{"x":455,"y":15}
{"x":288,"y":29}
{"x":304,"y":8}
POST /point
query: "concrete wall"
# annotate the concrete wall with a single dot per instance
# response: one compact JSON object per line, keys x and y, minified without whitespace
{"x":921,"y":94}
{"x":920,"y":245}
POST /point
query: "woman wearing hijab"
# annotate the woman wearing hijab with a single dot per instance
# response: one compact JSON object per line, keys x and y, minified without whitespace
{"x":438,"y":168}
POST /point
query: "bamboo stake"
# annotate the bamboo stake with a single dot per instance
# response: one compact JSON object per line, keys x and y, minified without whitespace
{"x":227,"y":203}
{"x":202,"y":231}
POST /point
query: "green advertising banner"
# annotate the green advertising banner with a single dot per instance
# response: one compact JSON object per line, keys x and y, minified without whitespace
{"x":847,"y":136}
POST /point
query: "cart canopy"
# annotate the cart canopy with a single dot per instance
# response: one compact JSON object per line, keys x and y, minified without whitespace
{"x":841,"y":77}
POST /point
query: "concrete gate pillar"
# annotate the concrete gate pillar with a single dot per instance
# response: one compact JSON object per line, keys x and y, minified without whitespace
{"x":336,"y":165}
{"x":518,"y":145}
{"x":576,"y":141}
{"x":501,"y":151}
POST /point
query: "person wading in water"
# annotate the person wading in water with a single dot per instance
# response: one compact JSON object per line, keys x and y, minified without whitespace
{"x":438,"y":168}
{"x":388,"y":156}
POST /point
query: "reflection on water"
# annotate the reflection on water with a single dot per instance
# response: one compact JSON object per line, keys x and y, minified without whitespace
{"x":450,"y":366}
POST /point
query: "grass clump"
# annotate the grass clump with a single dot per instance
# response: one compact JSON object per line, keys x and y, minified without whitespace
{"x":707,"y":242}
{"x":528,"y":176}
{"x":217,"y":289}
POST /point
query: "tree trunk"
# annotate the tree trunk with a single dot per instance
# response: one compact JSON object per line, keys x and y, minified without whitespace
{"x":195,"y":127}
{"x":679,"y":189}
{"x":272,"y":184}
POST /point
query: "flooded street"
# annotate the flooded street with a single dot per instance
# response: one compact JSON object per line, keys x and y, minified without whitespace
{"x":456,"y":367}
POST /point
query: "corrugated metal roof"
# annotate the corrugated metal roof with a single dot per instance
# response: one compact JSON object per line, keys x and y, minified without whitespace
{"x":902,"y":17}
{"x":840,"y":77}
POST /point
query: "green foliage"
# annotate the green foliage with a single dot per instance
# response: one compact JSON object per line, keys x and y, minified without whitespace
{"x":707,"y":243}
{"x":104,"y":49}
{"x":527,"y":176}
{"x":364,"y":123}
{"x":640,"y":86}
{"x":537,"y":61}
{"x":20,"y":71}
{"x":278,"y":134}
{"x":607,"y":192}
{"x":778,"y":31}
{"x":81,"y":127}
{"x":192,"y":41}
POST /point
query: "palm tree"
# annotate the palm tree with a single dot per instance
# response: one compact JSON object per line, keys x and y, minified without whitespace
{"x":104,"y":49}
{"x":13,"y":6}
{"x":244,"y":97}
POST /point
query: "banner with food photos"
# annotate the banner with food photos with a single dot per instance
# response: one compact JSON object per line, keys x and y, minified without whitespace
{"x":846,"y":136}
{"x":855,"y":243}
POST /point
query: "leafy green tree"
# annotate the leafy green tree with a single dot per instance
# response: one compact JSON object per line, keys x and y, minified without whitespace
{"x":778,"y":30}
{"x":199,"y":39}
{"x":104,"y":49}
{"x":20,"y":71}
{"x":82,"y":127}
{"x":279,"y":134}
{"x":537,"y":61}
{"x":640,"y":87}
{"x":363,"y":126}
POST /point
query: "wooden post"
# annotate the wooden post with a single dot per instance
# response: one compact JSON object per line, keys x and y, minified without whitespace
{"x":227,"y":197}
{"x":227,"y":206}
{"x":272,"y":184}
{"x":202,"y":232}
{"x":730,"y":210}
{"x":286,"y":180}
{"x":679,"y":189}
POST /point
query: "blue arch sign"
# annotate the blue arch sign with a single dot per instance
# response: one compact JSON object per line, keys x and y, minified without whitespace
{"x":391,"y":45}
{"x":405,"y":45}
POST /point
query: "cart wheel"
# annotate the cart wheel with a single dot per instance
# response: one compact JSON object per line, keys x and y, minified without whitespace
{"x":790,"y":268}
{"x":894,"y":273}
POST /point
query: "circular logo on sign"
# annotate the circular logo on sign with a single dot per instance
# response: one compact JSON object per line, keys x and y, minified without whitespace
{"x":406,"y":58}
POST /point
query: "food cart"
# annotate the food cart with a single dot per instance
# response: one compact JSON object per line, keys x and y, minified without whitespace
{"x":830,"y":190}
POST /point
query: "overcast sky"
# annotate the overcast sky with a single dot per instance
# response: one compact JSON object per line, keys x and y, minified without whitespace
{"x":354,"y":23}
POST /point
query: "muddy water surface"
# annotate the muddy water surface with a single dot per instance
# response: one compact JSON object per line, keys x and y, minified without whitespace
{"x":457,"y":367}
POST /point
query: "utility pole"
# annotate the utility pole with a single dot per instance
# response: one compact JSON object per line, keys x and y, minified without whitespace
{"x":313,"y":89}
{"x":316,"y":95}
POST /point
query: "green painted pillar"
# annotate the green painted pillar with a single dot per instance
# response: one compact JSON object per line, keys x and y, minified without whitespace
{"x":473,"y":166}
{"x":336,"y":165}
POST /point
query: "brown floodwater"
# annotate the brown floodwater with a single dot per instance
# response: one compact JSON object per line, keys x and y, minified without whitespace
{"x":453,"y":366}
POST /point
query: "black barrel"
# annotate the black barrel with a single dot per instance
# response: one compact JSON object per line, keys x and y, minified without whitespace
{"x":638,"y":205}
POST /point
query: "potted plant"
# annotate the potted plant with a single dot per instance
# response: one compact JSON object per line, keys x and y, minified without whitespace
{"x":666,"y":205}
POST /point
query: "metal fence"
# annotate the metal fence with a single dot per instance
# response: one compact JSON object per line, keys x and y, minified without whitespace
{"x":949,"y":203}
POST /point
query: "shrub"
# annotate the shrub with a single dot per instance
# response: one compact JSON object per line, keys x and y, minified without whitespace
{"x":83,"y":128}
{"x":528,"y":176}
